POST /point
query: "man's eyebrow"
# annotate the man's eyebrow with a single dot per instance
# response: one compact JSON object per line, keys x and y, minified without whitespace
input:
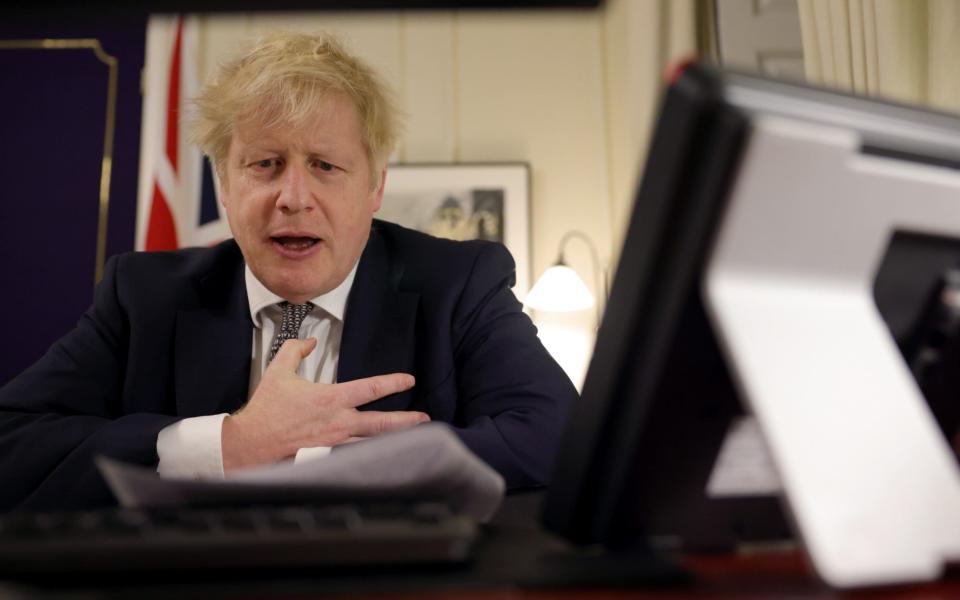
{"x":258,"y":147}
{"x":329,"y":152}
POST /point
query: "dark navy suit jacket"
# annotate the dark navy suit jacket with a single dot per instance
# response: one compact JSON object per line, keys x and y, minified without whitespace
{"x":169,"y":337}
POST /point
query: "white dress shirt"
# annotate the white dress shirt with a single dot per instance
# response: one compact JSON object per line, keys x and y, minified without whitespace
{"x":192,"y":447}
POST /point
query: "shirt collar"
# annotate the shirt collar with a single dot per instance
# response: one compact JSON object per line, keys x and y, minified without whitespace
{"x":333,"y":302}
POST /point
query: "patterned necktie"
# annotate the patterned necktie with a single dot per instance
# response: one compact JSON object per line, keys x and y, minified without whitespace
{"x":293,"y":316}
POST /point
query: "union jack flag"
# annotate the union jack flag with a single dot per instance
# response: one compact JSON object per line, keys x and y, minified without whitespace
{"x":177,"y":198}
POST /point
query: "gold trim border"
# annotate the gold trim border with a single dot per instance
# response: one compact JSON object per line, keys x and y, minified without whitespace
{"x":106,"y":164}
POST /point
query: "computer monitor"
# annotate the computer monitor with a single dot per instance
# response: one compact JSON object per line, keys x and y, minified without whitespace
{"x":660,"y":396}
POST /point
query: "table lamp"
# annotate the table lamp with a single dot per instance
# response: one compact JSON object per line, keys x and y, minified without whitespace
{"x":560,"y":288}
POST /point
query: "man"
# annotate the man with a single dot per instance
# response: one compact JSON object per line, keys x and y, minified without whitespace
{"x":181,"y":360}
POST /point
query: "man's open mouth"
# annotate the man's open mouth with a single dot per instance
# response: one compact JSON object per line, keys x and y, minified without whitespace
{"x":295,"y":242}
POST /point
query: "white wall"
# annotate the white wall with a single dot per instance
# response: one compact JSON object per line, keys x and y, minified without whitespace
{"x":569,"y":92}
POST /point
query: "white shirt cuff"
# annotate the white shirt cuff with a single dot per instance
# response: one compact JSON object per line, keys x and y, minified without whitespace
{"x":192,"y":448}
{"x":304,"y":454}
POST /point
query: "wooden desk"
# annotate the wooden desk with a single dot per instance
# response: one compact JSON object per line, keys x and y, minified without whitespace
{"x":512,"y":541}
{"x":781,"y":575}
{"x":770,"y":575}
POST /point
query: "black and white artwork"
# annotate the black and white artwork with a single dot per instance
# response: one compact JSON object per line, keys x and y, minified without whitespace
{"x":464,"y":202}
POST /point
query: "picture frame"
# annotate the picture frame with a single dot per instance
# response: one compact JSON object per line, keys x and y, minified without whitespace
{"x":465,"y":201}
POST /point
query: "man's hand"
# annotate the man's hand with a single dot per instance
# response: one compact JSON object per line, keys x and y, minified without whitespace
{"x":287,"y":412}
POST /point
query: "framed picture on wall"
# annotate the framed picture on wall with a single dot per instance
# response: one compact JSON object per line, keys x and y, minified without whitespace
{"x":489,"y":201}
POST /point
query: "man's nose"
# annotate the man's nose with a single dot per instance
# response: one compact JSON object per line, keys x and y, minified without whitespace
{"x":294,"y":194}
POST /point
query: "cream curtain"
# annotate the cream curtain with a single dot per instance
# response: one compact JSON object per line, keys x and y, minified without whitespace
{"x":905,"y":50}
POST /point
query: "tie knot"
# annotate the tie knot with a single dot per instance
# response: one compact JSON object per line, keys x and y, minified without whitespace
{"x":290,"y":321}
{"x":293,"y":315}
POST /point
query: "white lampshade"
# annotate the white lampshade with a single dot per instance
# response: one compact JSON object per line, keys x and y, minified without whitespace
{"x":559,"y":289}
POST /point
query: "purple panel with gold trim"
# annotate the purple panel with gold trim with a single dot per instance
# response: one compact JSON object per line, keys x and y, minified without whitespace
{"x":54,"y":104}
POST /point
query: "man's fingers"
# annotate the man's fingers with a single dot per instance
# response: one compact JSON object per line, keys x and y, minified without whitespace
{"x":370,"y":423}
{"x":291,"y":353}
{"x":361,"y":391}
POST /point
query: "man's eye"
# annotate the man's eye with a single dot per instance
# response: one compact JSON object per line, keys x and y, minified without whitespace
{"x":324,"y":165}
{"x":267,"y":163}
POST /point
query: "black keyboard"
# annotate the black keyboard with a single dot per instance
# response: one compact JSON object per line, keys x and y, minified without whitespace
{"x":264,"y":536}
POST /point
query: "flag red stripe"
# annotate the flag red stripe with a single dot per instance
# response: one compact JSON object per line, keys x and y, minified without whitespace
{"x":161,"y":232}
{"x":173,"y":102}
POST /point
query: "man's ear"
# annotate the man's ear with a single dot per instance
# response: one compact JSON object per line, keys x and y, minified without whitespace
{"x":377,"y":193}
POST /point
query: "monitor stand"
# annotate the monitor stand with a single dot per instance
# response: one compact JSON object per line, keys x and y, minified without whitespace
{"x":868,"y":479}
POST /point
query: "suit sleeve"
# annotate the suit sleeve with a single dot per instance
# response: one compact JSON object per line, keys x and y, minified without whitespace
{"x":513,"y":397}
{"x":66,"y":409}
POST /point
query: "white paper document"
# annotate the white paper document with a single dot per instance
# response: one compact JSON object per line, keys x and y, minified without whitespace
{"x":744,"y":466}
{"x":426,"y":462}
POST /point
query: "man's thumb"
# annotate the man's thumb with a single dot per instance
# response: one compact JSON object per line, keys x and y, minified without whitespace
{"x":291,"y":353}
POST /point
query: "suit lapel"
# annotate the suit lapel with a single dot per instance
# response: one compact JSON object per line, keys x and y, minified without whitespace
{"x":379,"y":324}
{"x":213,"y":343}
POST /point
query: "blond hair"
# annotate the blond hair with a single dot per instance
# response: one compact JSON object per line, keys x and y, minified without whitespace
{"x":286,"y":79}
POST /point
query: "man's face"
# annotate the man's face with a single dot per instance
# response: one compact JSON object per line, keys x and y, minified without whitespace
{"x":299,"y":201}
